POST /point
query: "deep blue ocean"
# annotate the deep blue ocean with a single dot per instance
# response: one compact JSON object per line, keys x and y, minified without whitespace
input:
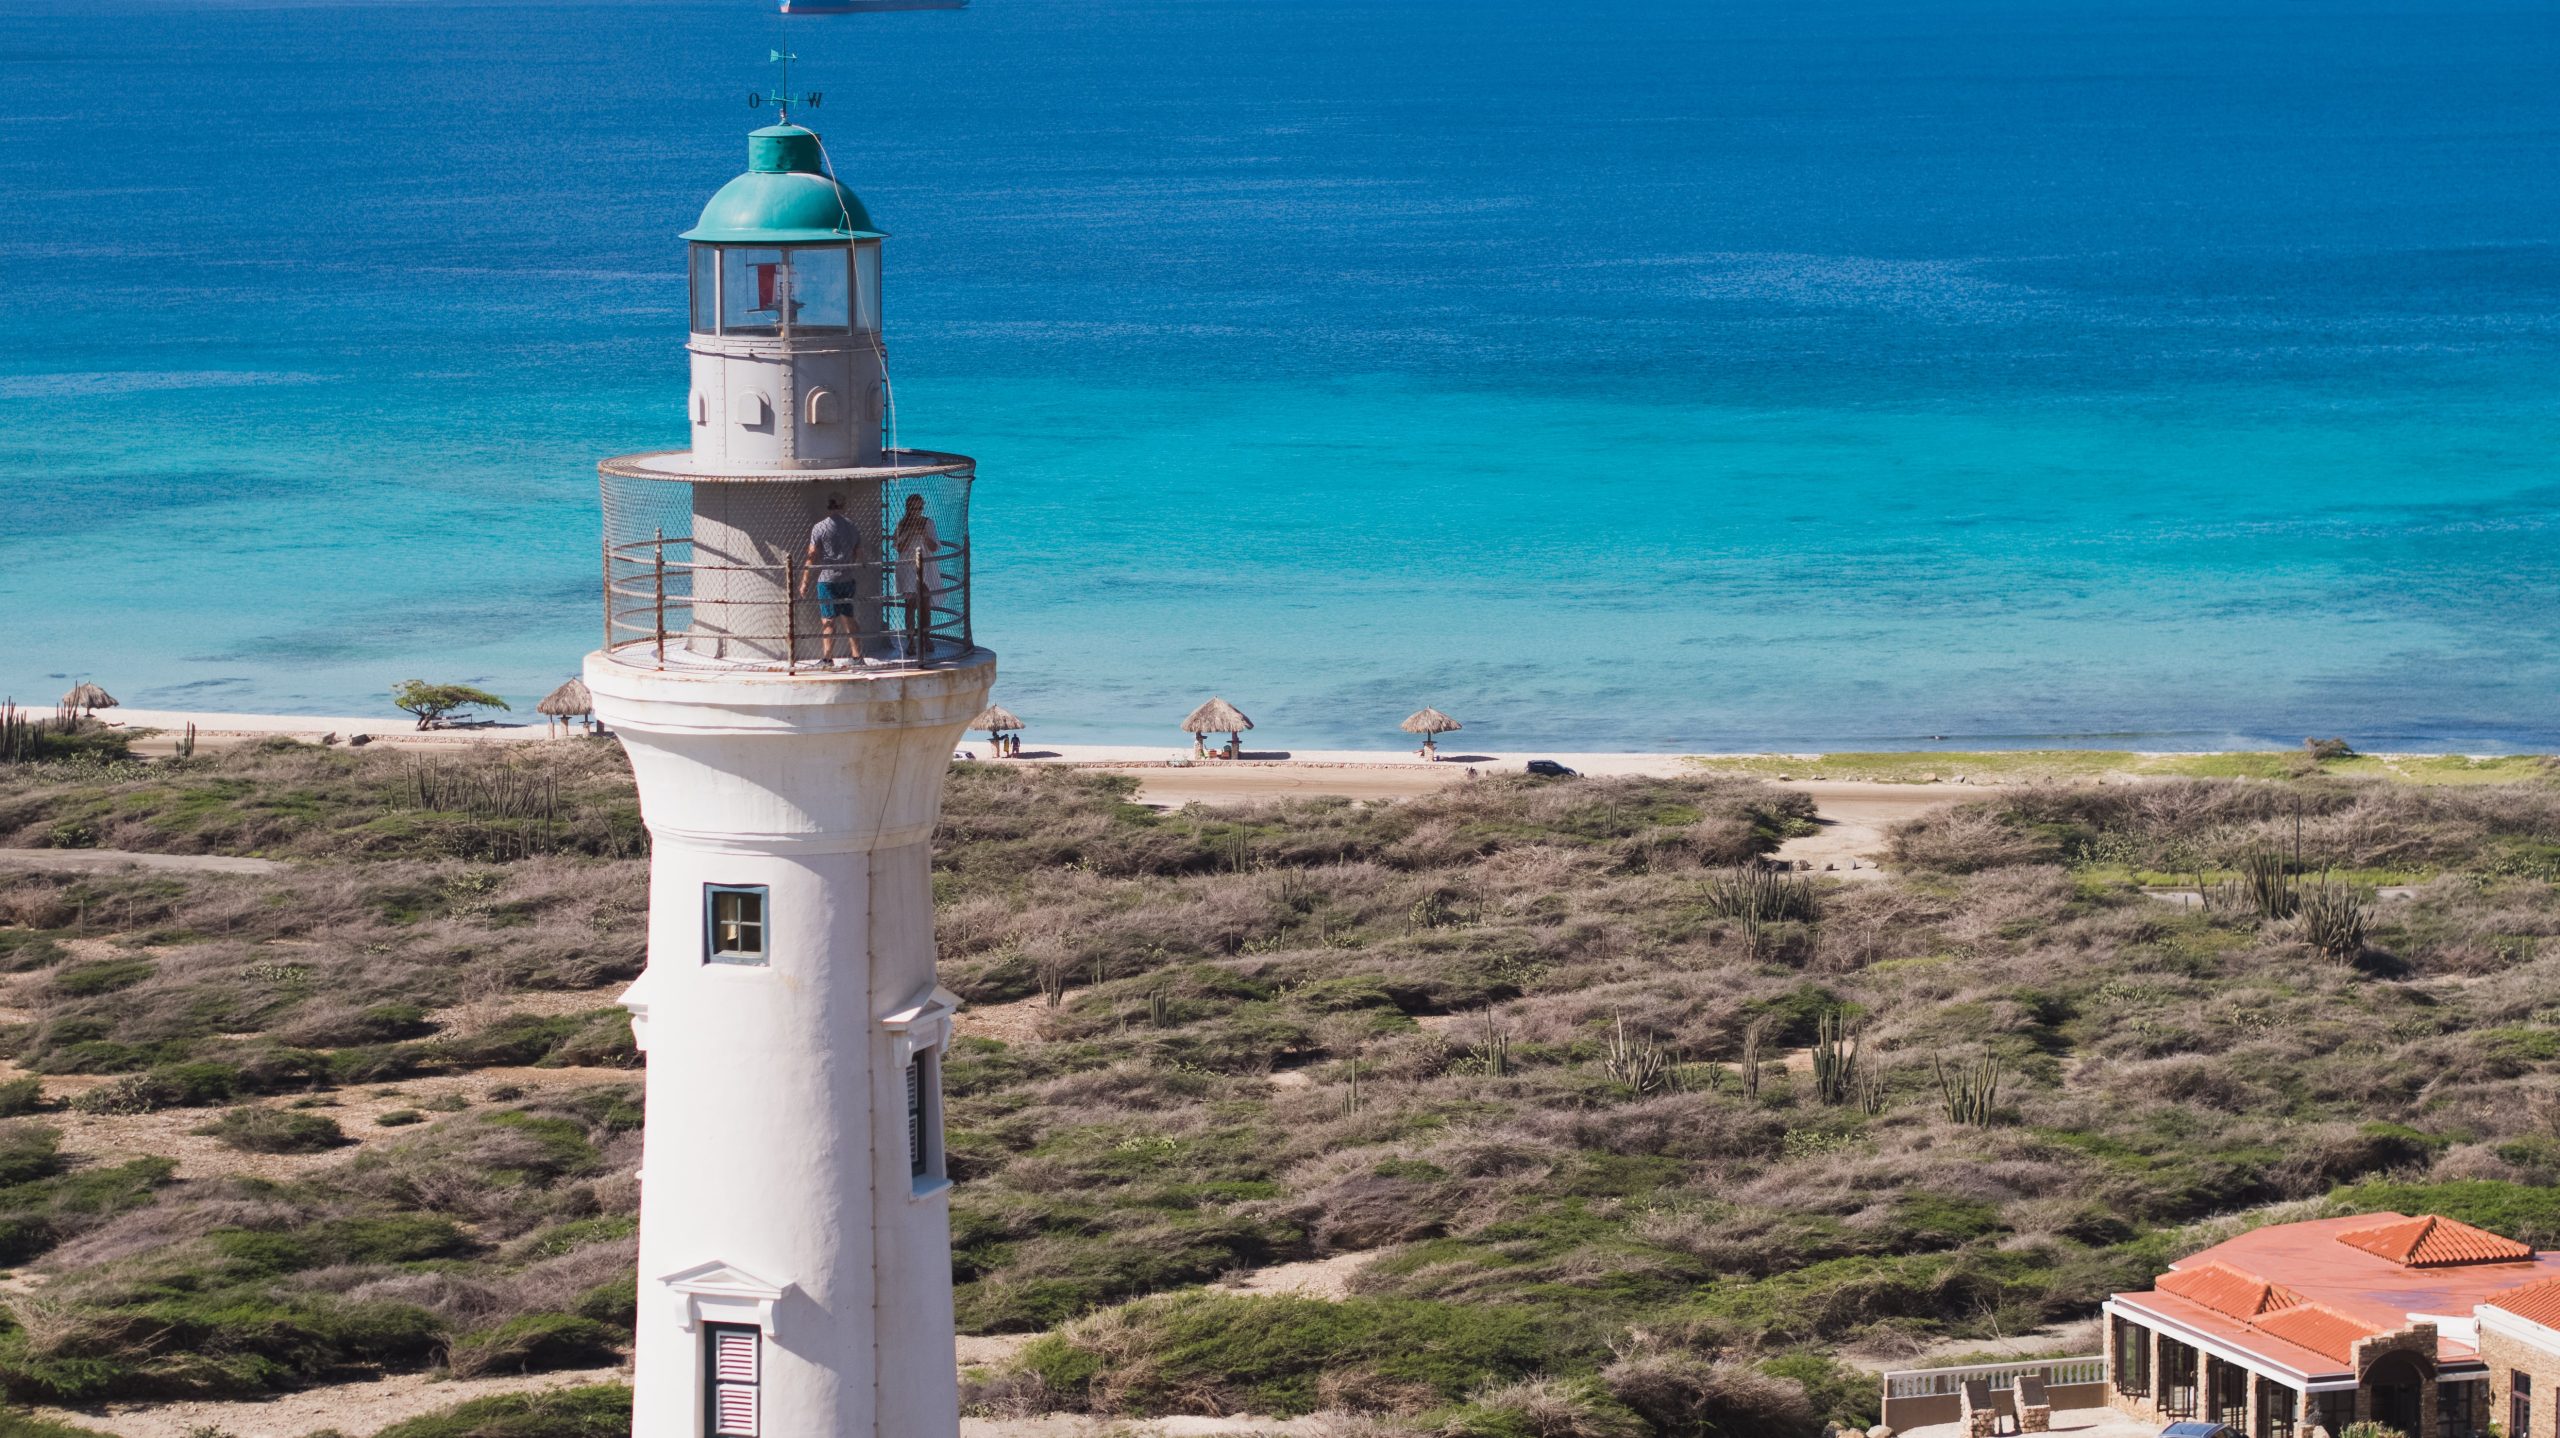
{"x":1678,"y":373}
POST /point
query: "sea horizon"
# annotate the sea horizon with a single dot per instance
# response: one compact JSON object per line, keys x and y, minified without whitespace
{"x":1654,"y":378}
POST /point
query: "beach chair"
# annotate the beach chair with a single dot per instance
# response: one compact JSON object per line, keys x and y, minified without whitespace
{"x":1981,"y":1415}
{"x":2035,"y":1406}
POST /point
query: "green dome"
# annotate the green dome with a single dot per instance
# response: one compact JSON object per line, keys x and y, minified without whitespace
{"x":784,"y":198}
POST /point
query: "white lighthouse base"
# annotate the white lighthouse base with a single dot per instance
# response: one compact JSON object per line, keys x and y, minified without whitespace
{"x":795,"y":1250}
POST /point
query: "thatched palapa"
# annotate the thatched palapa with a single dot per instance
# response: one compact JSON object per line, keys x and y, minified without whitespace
{"x":995,"y":719}
{"x":1216,"y":717}
{"x":568,"y":701}
{"x":1430,"y":721}
{"x":88,"y":698}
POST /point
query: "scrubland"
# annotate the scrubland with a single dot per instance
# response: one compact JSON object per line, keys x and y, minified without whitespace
{"x":1634,"y":1138}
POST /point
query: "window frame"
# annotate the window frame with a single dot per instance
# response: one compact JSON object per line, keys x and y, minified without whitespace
{"x":713,"y":1384}
{"x":928,"y":1165}
{"x":757,"y":958}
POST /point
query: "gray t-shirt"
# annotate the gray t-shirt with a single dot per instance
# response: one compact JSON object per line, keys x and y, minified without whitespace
{"x":838,"y":542}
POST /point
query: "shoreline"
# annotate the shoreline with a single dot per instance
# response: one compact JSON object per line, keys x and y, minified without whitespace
{"x":1174,"y":767}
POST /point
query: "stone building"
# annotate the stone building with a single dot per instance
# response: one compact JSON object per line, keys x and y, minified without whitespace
{"x":2424,"y":1324}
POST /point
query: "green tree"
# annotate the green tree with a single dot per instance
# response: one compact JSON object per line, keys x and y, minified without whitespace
{"x":434,"y":703}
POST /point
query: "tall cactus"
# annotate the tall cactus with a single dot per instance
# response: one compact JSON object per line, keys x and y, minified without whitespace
{"x":1835,"y":1059}
{"x":1971,"y":1090}
{"x":1640,"y":1064}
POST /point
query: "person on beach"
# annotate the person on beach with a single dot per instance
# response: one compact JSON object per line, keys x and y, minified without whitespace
{"x":835,"y":546}
{"x":915,"y":543}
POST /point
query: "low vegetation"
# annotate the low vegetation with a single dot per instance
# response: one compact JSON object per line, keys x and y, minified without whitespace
{"x":1634,"y":1137}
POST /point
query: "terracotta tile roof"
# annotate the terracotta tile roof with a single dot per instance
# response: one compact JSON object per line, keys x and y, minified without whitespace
{"x":2227,"y":1290}
{"x":2432,"y":1242}
{"x":2322,"y":1330}
{"x":2232,"y":1334}
{"x":2533,"y":1302}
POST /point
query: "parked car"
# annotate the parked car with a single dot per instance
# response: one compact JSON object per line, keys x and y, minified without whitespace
{"x":2197,"y":1429}
{"x":1551,"y":769}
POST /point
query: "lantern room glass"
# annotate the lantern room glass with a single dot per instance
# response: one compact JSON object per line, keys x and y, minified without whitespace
{"x":785,"y":290}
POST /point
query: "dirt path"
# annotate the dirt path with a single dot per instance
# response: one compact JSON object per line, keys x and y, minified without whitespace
{"x":1077,"y":1425}
{"x":108,"y":1138}
{"x":2072,"y":1339}
{"x":97,"y":860}
{"x":1311,"y":1278}
{"x":349,"y":1407}
{"x":1854,"y":818}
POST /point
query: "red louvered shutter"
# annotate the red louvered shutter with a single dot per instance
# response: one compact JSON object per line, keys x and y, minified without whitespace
{"x":734,"y":1356}
{"x":734,"y":1408}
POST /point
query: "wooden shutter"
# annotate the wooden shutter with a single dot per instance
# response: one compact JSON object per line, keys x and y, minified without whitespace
{"x":734,"y":1357}
{"x":915,"y":1116}
{"x":734,"y":1410}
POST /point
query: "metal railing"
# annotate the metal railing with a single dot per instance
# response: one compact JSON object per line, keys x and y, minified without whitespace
{"x":666,"y":606}
{"x":1947,"y":1382}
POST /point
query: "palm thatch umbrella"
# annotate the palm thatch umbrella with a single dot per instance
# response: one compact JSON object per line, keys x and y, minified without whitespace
{"x":1430,"y":724}
{"x":1217,"y":717}
{"x":994,"y":719}
{"x":569,"y":701}
{"x":88,"y":698}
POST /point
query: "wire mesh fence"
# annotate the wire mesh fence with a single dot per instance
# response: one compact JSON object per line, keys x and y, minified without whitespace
{"x":736,"y":573}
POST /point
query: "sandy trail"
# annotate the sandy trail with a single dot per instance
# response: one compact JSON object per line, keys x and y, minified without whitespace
{"x":1854,"y":818}
{"x":348,"y":1407}
{"x":100,"y":860}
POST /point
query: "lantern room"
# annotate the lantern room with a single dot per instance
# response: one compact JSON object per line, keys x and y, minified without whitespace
{"x":785,"y":313}
{"x":785,"y":248}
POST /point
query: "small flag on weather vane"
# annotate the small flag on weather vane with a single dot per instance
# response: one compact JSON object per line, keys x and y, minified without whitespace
{"x":782,"y":97}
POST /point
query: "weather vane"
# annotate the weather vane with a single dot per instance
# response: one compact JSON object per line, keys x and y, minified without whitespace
{"x":782,"y":97}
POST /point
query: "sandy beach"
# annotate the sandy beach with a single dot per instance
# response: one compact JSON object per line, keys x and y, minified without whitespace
{"x":1854,"y":814}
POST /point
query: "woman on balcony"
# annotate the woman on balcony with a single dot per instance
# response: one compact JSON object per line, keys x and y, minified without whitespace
{"x":916,"y":544}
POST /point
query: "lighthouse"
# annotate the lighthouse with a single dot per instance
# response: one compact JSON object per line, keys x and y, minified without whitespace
{"x":788,"y":660}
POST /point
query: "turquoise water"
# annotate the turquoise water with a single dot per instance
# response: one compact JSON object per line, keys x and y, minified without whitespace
{"x":1608,"y":375}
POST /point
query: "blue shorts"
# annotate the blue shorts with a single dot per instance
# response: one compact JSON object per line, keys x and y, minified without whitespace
{"x":835,"y":598}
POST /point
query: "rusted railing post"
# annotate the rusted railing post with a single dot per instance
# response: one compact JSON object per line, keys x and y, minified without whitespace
{"x":791,"y":614}
{"x":661,"y":546}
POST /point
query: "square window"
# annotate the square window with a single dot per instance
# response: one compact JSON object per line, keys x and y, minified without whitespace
{"x":733,"y":923}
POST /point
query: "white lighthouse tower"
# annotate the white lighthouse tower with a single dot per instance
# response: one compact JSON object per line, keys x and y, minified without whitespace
{"x":788,"y":660}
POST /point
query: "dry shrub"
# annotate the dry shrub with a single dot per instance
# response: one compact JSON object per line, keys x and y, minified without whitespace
{"x":1543,"y":1408}
{"x":1684,"y":1395}
{"x":1968,"y":838}
{"x":1013,"y":1393}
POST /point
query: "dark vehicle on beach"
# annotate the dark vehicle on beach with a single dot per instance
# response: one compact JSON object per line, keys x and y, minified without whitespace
{"x":1551,"y":769}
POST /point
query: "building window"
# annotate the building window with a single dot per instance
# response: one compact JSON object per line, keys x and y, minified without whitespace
{"x":2277,"y":1401}
{"x":2133,"y":1358}
{"x":732,"y":1360}
{"x":733,"y":923}
{"x":924,"y":1118}
{"x":2519,"y":1405}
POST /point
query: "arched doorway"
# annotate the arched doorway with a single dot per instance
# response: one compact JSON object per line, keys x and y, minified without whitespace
{"x":2398,"y":1383}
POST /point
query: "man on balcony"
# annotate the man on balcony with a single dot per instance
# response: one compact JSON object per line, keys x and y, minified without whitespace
{"x":835,"y":547}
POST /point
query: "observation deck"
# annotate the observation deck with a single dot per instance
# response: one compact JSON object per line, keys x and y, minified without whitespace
{"x":707,"y":569}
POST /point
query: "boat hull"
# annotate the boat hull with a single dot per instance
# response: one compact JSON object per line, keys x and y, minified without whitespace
{"x":865,"y":7}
